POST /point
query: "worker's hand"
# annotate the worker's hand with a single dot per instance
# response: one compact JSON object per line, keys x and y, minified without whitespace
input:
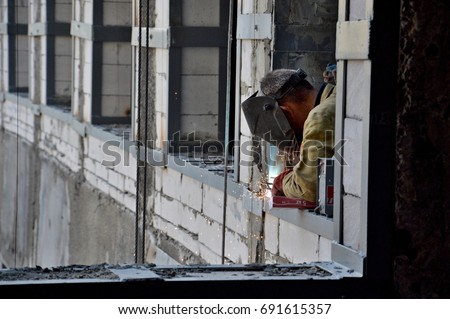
{"x":277,"y":187}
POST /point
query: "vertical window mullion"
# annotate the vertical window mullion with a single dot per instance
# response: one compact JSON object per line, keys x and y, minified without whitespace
{"x":174,"y":111}
{"x":196,"y":36}
{"x":51,"y":54}
{"x":97,"y":65}
{"x":174,"y":122}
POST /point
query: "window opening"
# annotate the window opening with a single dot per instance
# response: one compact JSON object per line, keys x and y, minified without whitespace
{"x":198,"y":83}
{"x":111,"y":77}
{"x":59,"y":53}
{"x":198,"y":76}
{"x":304,"y":37}
{"x":15,"y":29}
{"x":102,"y":62}
{"x":49,"y":32}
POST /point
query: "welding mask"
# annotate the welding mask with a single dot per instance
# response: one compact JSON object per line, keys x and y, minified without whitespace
{"x":266,"y":119}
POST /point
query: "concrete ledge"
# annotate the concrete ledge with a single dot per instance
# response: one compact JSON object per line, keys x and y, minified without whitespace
{"x":56,"y":113}
{"x":260,"y":281}
{"x":307,"y":220}
{"x":138,"y":272}
{"x":209,"y":178}
{"x":101,"y":134}
{"x":23,"y":100}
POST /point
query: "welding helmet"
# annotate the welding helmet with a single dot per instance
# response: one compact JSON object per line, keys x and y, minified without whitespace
{"x":266,"y":119}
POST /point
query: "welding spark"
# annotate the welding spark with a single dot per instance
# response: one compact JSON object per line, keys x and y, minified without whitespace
{"x":263,"y":188}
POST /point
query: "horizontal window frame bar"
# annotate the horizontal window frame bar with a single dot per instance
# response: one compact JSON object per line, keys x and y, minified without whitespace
{"x":100,"y":33}
{"x":49,"y":28}
{"x":158,"y":37}
{"x":13,"y":28}
{"x":198,"y":36}
{"x":99,"y":119}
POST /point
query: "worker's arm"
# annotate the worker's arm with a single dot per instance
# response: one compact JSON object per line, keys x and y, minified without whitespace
{"x":317,"y":142}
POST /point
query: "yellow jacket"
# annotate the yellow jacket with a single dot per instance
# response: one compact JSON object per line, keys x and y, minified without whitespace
{"x":317,"y":142}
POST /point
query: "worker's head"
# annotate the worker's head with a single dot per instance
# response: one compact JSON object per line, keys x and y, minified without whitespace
{"x":294,"y":94}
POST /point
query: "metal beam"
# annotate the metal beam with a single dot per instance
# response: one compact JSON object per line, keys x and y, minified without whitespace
{"x":50,"y":56}
{"x":97,"y":83}
{"x":158,"y":37}
{"x":382,"y":136}
{"x":198,"y":36}
{"x":255,"y":26}
{"x":341,"y":103}
{"x":111,"y":33}
{"x":100,"y":33}
{"x":99,"y":119}
{"x":49,"y":28}
{"x":174,"y":124}
{"x":348,"y":257}
{"x":51,"y":68}
{"x":13,"y":28}
{"x":81,"y":30}
{"x":353,"y":40}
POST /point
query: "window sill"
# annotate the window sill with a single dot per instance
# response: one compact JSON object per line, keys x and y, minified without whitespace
{"x":306,"y":219}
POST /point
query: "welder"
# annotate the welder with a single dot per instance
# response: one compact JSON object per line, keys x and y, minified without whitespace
{"x":307,"y":118}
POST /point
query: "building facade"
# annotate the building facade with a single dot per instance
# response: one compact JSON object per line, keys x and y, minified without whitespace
{"x":115,"y":117}
{"x":83,"y":81}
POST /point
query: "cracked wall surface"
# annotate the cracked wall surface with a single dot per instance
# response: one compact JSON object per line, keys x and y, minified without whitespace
{"x":423,"y":152}
{"x":54,"y":217}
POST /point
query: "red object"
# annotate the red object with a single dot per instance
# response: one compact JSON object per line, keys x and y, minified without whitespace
{"x":287,"y":202}
{"x":277,"y":186}
{"x":330,"y":195}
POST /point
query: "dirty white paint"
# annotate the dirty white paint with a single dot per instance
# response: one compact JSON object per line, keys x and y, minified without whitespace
{"x":54,"y":220}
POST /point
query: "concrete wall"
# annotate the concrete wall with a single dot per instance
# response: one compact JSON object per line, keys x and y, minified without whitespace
{"x":305,"y":36}
{"x":13,"y":185}
{"x":54,"y":217}
{"x":50,"y":213}
{"x":422,"y":252}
